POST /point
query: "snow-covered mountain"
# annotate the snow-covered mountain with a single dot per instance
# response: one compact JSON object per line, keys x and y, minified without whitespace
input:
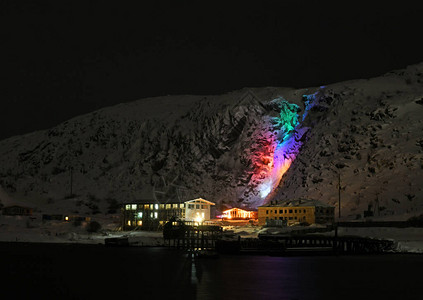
{"x":240,"y":149}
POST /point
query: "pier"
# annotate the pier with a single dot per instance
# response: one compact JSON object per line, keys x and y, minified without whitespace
{"x":319,"y":243}
{"x":189,"y":236}
{"x":207,"y":237}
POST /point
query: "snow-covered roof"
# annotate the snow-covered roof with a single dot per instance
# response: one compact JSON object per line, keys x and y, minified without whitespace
{"x":235,"y":208}
{"x":151,"y":201}
{"x":297,"y":203}
{"x":200,"y":200}
{"x":170,"y":201}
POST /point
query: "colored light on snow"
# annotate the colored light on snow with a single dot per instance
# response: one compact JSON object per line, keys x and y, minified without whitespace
{"x":266,"y":188}
{"x":281,"y":162}
{"x":284,"y":146}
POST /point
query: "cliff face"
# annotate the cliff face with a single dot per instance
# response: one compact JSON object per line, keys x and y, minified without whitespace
{"x":233,"y":149}
{"x":370,"y":136}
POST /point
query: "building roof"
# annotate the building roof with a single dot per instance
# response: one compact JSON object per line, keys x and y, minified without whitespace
{"x":296,"y":203}
{"x":152,"y":201}
{"x":12,"y":206}
{"x":236,"y":208}
{"x":200,"y":200}
{"x":170,"y":201}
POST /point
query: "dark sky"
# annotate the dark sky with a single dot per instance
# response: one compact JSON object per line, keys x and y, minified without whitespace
{"x":59,"y":60}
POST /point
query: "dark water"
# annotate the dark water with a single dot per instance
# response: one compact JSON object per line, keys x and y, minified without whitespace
{"x":60,"y":271}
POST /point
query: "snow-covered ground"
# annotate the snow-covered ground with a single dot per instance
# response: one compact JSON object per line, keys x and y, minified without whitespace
{"x":407,"y":239}
{"x":26,"y":229}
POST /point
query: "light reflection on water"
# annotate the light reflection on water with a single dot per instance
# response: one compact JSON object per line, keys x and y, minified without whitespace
{"x":93,"y":272}
{"x":330,"y":277}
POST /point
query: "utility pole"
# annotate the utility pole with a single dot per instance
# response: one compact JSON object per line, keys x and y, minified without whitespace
{"x":377,"y":204}
{"x":339,"y":195}
{"x":71,"y":179}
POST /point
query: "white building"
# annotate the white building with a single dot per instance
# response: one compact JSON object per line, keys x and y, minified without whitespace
{"x":198,"y":210}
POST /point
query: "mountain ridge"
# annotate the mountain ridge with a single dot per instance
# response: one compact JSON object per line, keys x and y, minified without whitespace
{"x":224,"y":148}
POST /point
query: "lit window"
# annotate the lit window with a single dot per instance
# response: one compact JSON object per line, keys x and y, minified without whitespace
{"x":128,"y":206}
{"x":156,"y":206}
{"x":168,"y":206}
{"x":155,"y":215}
{"x":147,"y":206}
{"x":202,"y":214}
{"x":181,"y":205}
{"x":175,"y":205}
{"x":151,"y":215}
{"x":133,"y":206}
{"x":140,"y":215}
{"x":129,"y":223}
{"x":161,"y":206}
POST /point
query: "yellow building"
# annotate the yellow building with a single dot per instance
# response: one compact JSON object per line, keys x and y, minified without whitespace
{"x":297,"y":211}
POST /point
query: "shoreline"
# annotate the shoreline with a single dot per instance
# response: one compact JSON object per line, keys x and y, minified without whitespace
{"x":298,"y":252}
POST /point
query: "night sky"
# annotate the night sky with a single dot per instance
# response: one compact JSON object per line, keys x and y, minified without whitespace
{"x":59,"y":60}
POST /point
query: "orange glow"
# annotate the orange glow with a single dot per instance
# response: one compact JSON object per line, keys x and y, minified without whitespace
{"x":237,"y":213}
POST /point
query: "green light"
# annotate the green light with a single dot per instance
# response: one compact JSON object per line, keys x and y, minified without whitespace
{"x":288,"y":118}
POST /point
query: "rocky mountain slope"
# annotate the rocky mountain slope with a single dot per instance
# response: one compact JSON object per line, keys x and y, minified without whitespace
{"x":239,"y":149}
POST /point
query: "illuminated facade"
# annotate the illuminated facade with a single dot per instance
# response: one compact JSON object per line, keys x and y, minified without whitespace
{"x":297,"y":211}
{"x":238,"y":213}
{"x":198,"y":210}
{"x":281,"y":144}
{"x":150,"y":215}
